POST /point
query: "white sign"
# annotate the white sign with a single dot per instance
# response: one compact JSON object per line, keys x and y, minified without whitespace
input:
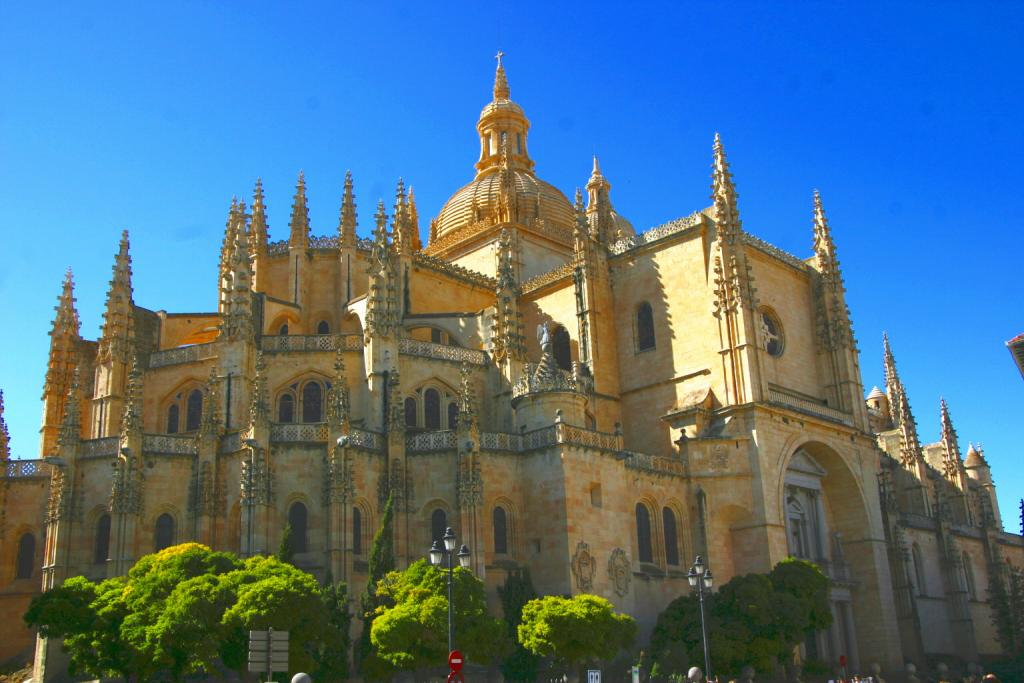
{"x":636,"y":674}
{"x":593,"y":676}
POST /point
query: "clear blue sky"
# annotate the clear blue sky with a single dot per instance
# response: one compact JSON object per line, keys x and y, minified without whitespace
{"x":906,"y":116}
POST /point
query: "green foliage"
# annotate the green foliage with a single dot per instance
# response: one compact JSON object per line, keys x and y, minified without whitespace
{"x":187,"y":611}
{"x":1006,"y":602}
{"x":575,"y":630}
{"x":332,"y":656}
{"x":412,"y":633}
{"x":521,"y":664}
{"x":286,"y":549}
{"x":382,"y":561}
{"x":754,"y":619}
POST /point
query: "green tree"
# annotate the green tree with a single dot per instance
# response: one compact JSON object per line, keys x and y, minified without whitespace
{"x":521,"y":664}
{"x":411,"y":631}
{"x":332,"y":657}
{"x":382,"y":561}
{"x":755,"y":619}
{"x":1006,"y":603}
{"x":286,"y":549}
{"x":575,"y":630}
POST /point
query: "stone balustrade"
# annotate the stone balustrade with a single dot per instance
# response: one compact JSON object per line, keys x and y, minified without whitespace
{"x":654,"y":464}
{"x":98,"y":448}
{"x":425,"y":442}
{"x":23,"y":469}
{"x":298,"y":433}
{"x":170,"y":444}
{"x":455,"y":354}
{"x":182,"y":354}
{"x":311,"y":342}
{"x":559,"y":380}
{"x":805,"y":406}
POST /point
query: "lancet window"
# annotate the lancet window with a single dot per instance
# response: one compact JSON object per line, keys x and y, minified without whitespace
{"x":438,"y":524}
{"x":645,"y":550}
{"x":302,"y":402}
{"x":298,"y":518}
{"x":499,"y":519}
{"x":164,"y":532}
{"x":433,"y":407}
{"x":644,"y":327}
{"x":26,"y":560}
{"x":187,"y":403}
{"x":101,"y":547}
{"x":323,"y":327}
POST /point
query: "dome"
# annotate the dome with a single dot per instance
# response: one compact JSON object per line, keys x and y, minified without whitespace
{"x":531,"y":198}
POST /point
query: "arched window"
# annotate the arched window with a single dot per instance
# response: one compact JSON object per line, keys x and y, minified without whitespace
{"x":771,"y":330}
{"x":438,"y":523}
{"x":357,"y":531}
{"x":283,"y":330}
{"x":323,"y":327}
{"x":286,"y":408}
{"x":671,"y":537}
{"x":297,"y":516}
{"x":193,"y":410}
{"x":972,"y":593}
{"x":173,"y":413}
{"x":410,"y":412}
{"x":101,"y":548}
{"x":164,"y":532}
{"x":500,"y":531}
{"x":453,"y":415}
{"x":312,"y":402}
{"x":918,"y":562}
{"x":561,"y":348}
{"x":431,"y":409}
{"x":644,"y":327}
{"x":26,"y":557}
{"x":643,"y":533}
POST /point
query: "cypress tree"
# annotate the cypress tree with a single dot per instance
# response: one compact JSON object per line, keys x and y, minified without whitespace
{"x":382,"y":561}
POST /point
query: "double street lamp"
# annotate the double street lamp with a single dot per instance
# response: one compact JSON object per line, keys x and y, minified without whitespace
{"x":440,"y":551}
{"x":700,"y":579}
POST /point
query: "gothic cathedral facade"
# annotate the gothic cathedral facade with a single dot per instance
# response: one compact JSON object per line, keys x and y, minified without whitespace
{"x":595,"y":404}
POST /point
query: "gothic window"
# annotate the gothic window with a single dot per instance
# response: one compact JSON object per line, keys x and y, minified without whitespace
{"x":283,"y":330}
{"x":312,"y":402}
{"x":671,"y":537}
{"x":26,"y":557}
{"x":771,"y":333}
{"x":519,"y":143}
{"x":357,"y":531}
{"x":435,"y":335}
{"x":286,"y":408}
{"x":101,"y":548}
{"x":918,"y":562}
{"x":297,"y":518}
{"x":644,"y":327}
{"x":643,"y":533}
{"x":453,"y":415}
{"x":164,"y":532}
{"x":410,"y":412}
{"x":972,"y":593}
{"x":432,"y":409}
{"x":172,"y":418}
{"x":438,"y":524}
{"x":561,"y":348}
{"x":500,"y":520}
{"x":323,"y":327}
{"x":193,"y":410}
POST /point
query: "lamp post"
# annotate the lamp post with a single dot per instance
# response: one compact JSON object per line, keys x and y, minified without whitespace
{"x":700,"y":578}
{"x":438,"y":552}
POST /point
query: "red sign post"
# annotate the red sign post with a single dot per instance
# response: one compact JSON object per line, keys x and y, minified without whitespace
{"x":455,"y":662}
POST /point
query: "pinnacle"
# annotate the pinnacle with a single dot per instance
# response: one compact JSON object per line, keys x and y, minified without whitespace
{"x":501,"y":89}
{"x":597,"y":167}
{"x":5,"y":438}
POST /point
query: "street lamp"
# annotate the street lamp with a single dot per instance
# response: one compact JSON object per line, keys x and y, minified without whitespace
{"x":700,"y":579}
{"x":438,"y":552}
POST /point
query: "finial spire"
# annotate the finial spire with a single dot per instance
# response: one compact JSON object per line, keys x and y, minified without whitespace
{"x":5,"y":436}
{"x":414,"y":222}
{"x":118,"y":319}
{"x":501,"y":89}
{"x":258,"y":225}
{"x":298,"y":237}
{"x":347,"y":223}
{"x":596,"y":173}
{"x":723,"y":193}
{"x":952,"y":462}
{"x":824,"y":247}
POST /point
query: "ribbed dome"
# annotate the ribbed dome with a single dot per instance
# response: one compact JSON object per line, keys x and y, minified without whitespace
{"x":481,"y":200}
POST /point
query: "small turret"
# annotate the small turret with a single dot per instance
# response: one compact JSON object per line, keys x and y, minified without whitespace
{"x":401,"y":230}
{"x":508,"y":340}
{"x":298,"y":235}
{"x":236,"y":292}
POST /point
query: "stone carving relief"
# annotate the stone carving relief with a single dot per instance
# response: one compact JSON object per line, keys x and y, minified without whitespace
{"x":619,"y":571}
{"x":583,"y":567}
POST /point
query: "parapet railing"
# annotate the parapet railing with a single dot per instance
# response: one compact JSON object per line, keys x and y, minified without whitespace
{"x":182,"y":354}
{"x":23,"y":469}
{"x":803,"y":405}
{"x":170,"y":444}
{"x":311,"y":342}
{"x":455,"y":354}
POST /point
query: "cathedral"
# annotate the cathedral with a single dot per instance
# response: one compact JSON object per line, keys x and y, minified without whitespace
{"x":570,"y":395}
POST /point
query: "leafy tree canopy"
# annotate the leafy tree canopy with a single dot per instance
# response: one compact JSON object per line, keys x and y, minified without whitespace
{"x":187,"y":610}
{"x":412,"y":633}
{"x":756,"y":619}
{"x":521,"y":665}
{"x":574,"y":630}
